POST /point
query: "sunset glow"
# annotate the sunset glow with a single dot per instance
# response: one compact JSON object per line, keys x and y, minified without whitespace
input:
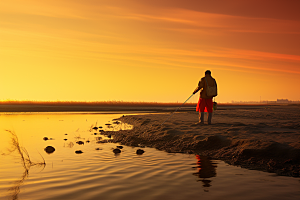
{"x":140,"y":50}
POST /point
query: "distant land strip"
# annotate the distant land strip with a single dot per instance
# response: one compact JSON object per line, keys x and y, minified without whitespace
{"x":107,"y":106}
{"x":93,"y":103}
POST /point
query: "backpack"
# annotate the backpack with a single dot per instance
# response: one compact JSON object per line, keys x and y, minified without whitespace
{"x":211,"y":91}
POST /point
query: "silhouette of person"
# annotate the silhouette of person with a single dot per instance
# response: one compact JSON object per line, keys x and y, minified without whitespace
{"x":205,"y":103}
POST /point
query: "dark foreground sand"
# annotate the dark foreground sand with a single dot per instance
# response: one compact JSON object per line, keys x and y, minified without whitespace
{"x":264,"y":138}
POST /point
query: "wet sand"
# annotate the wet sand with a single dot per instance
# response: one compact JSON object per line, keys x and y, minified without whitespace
{"x":263,"y":138}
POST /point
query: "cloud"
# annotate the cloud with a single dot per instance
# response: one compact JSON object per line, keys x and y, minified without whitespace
{"x":137,"y":30}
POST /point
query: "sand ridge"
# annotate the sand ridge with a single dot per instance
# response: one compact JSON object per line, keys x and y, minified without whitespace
{"x":266,"y":138}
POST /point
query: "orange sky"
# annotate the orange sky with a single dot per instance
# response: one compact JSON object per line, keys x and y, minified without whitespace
{"x":142,"y":50}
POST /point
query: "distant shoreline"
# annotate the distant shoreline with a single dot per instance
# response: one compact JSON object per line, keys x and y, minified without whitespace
{"x":114,"y":108}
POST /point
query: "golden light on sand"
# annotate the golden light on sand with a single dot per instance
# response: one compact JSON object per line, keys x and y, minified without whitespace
{"x":148,"y":50}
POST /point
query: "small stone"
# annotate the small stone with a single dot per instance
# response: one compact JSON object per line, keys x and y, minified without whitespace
{"x":78,"y":152}
{"x":117,"y":151}
{"x":98,"y":138}
{"x":45,"y":138}
{"x":120,"y":147}
{"x":80,"y":142}
{"x":95,"y":128}
{"x":49,"y":149}
{"x":140,"y":151}
{"x":65,"y":139}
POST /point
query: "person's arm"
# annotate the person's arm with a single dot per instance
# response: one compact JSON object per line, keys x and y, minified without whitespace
{"x":196,"y":90}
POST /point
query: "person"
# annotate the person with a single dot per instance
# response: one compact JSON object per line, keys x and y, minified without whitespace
{"x":205,"y":103}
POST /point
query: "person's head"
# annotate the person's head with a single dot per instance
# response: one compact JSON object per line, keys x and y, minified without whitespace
{"x":207,"y":72}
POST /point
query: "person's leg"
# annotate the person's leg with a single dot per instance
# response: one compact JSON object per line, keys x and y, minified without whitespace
{"x":209,"y":104}
{"x":209,"y":118}
{"x":198,"y":109}
{"x":202,"y":108}
{"x":201,"y":117}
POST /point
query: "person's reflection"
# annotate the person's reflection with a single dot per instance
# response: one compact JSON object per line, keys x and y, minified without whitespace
{"x":206,"y":169}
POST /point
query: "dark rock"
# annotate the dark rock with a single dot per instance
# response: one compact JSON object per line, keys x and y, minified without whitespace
{"x":95,"y":128}
{"x":45,"y":138}
{"x":117,"y":151}
{"x":98,"y":138}
{"x":98,"y":149}
{"x":80,"y":142}
{"x":78,"y":152}
{"x":120,"y":147}
{"x":49,"y":149}
{"x":140,"y":151}
{"x":88,"y":141}
{"x":109,"y":136}
{"x":65,"y":139}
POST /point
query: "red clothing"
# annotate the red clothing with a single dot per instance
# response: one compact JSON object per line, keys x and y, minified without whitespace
{"x":205,"y":105}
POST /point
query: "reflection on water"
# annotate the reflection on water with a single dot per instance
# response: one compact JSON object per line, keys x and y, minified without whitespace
{"x":99,"y":173}
{"x":206,"y":169}
{"x":69,"y":144}
{"x":15,"y":189}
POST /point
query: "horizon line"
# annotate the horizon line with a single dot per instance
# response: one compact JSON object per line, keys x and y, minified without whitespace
{"x":20,"y":102}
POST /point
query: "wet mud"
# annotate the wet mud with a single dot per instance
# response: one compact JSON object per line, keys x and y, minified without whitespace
{"x":265,"y":139}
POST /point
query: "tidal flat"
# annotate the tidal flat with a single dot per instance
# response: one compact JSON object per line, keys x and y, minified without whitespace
{"x":264,"y":138}
{"x":99,"y":173}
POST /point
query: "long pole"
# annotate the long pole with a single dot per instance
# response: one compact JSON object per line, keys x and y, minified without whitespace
{"x":177,"y":109}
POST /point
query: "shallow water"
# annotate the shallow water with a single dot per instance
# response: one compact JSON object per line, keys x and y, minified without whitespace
{"x":100,"y":174}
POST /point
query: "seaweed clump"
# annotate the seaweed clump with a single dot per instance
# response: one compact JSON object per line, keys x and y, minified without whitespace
{"x":24,"y":155}
{"x":25,"y":161}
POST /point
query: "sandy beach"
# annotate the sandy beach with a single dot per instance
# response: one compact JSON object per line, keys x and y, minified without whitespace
{"x":264,"y":138}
